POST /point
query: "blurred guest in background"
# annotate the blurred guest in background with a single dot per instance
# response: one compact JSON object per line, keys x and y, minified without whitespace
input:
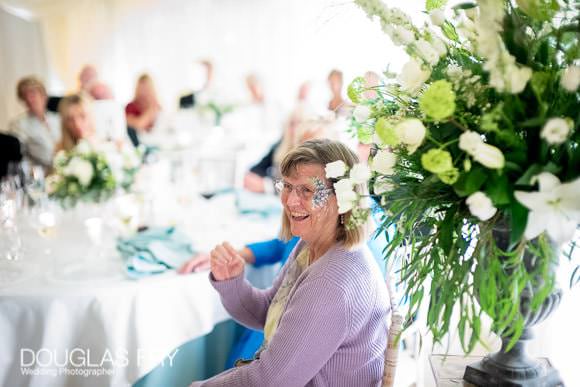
{"x":143,"y":111}
{"x":108,"y":115}
{"x":202,"y":76}
{"x":38,"y":130}
{"x":87,"y":77}
{"x":77,"y":122}
{"x":337,"y":104}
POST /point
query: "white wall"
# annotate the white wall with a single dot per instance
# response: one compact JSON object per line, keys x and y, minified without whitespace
{"x":22,"y":53}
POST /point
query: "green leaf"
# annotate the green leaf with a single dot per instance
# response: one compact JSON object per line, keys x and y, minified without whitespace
{"x":518,"y":220}
{"x":449,"y":31}
{"x":446,"y":231}
{"x":498,"y":189}
{"x":465,"y":6}
{"x":430,"y":5}
{"x":364,"y":134}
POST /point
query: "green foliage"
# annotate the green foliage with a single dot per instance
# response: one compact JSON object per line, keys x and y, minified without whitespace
{"x":452,"y":260}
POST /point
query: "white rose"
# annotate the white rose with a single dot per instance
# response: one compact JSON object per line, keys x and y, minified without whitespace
{"x":412,"y":133}
{"x":344,"y":207}
{"x":437,"y":17}
{"x":82,"y":170}
{"x":489,"y":156}
{"x":413,"y":76}
{"x":382,"y":185}
{"x":518,"y":78}
{"x":556,"y":131}
{"x":83,"y":147}
{"x":361,"y":113}
{"x":570,"y":79}
{"x":469,"y":141}
{"x":335,"y":169}
{"x":360,"y":174}
{"x":427,"y":52}
{"x":343,"y":185}
{"x":384,"y":162}
{"x":480,"y":205}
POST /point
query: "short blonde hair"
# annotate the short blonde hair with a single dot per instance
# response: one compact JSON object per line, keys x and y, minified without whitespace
{"x":29,"y":83}
{"x":322,"y":152}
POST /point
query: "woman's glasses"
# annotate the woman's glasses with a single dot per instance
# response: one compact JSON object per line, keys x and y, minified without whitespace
{"x":303,"y":191}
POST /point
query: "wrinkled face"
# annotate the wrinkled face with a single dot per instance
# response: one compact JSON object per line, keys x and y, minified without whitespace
{"x":312,"y":216}
{"x":34,"y":99}
{"x":77,"y":122}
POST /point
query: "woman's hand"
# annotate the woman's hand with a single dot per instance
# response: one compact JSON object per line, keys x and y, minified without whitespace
{"x":199,"y":262}
{"x":226,"y":263}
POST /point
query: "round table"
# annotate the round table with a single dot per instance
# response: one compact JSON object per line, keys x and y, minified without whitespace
{"x":59,"y":328}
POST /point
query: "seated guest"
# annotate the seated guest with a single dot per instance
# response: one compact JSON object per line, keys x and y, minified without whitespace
{"x":325,"y":317}
{"x":142,"y":112}
{"x":261,"y":176}
{"x":38,"y":130}
{"x":202,"y":78}
{"x":87,"y":77}
{"x":9,"y":153}
{"x":108,"y":115}
{"x":337,"y":104}
{"x":77,"y":123}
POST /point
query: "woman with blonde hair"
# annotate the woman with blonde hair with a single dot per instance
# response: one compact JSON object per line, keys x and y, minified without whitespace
{"x":143,"y":111}
{"x":77,"y":123}
{"x":325,"y":316}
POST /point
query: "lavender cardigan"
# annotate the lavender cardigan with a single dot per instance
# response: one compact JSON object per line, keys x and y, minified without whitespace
{"x":333,"y":331}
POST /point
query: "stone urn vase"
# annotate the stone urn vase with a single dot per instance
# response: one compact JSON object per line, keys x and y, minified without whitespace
{"x":513,"y":367}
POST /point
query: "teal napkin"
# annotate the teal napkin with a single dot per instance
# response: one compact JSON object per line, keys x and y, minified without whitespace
{"x":154,"y":251}
{"x":258,"y":203}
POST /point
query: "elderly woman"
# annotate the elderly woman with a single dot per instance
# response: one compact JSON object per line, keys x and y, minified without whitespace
{"x":325,"y":317}
{"x":37,"y":129}
{"x":77,"y":123}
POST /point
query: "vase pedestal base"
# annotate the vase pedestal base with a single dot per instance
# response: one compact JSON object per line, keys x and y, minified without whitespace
{"x":488,"y":373}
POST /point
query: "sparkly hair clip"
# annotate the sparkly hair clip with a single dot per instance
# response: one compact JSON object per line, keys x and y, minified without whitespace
{"x":321,"y":193}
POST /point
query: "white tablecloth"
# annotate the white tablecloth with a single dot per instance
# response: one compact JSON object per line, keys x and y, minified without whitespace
{"x":54,"y":324}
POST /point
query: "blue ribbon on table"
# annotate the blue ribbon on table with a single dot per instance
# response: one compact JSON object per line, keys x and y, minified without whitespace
{"x":154,"y":251}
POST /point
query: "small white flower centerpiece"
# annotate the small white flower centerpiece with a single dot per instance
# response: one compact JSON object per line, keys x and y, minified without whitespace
{"x":92,"y":173}
{"x":475,"y":161}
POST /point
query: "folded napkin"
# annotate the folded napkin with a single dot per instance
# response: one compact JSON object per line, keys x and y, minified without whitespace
{"x":154,"y":251}
{"x":258,"y":203}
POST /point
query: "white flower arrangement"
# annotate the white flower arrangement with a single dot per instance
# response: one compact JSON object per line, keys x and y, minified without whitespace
{"x":92,"y":172}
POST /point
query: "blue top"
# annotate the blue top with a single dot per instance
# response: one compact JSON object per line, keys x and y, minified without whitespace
{"x":272,"y":251}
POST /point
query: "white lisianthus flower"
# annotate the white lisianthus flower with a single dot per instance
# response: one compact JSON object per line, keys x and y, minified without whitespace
{"x":345,"y":206}
{"x":361,"y":113}
{"x":345,"y":195}
{"x":427,"y":52}
{"x":554,"y":208}
{"x":360,"y":173}
{"x":413,"y":76}
{"x":518,"y":78}
{"x":570,"y":79}
{"x":384,"y":162}
{"x":412,"y":133}
{"x":81,"y":169}
{"x":556,"y":130}
{"x":481,"y":206}
{"x":437,"y":17}
{"x":489,"y":156}
{"x":469,"y":141}
{"x":83,"y":147}
{"x":335,"y":169}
